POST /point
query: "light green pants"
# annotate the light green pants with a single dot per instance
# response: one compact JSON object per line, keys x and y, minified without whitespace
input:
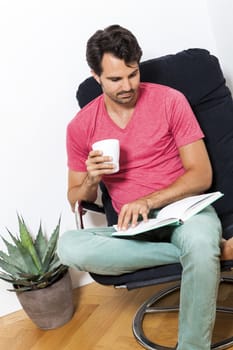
{"x":195,"y":244}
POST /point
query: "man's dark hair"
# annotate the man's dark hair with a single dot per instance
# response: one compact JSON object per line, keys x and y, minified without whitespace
{"x":118,"y":41}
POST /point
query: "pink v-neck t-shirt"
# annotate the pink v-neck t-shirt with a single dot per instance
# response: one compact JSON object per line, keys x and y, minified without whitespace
{"x":162,"y":122}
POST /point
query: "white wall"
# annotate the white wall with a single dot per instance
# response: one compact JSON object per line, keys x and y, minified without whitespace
{"x":42,"y":62}
{"x":220,"y":12}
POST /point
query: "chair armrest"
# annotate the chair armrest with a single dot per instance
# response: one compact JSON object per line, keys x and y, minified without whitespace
{"x":81,"y":208}
{"x":226,"y":265}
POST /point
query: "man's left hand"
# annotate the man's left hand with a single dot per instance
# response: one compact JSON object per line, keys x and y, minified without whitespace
{"x":130,"y":212}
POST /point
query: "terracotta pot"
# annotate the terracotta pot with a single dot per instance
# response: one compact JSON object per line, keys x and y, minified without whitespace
{"x":49,"y":307}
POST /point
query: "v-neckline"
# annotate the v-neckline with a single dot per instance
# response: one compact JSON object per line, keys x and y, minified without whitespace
{"x":115,"y":124}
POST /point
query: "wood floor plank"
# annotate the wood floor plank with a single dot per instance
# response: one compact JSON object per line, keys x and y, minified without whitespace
{"x":103,"y":321}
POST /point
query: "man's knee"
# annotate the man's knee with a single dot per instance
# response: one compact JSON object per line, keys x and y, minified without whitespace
{"x":71,"y":250}
{"x":200,"y":246}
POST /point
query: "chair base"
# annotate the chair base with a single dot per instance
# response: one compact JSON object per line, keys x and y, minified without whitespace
{"x":150,"y":306}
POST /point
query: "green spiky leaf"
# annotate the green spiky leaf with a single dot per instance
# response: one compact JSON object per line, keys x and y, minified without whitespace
{"x":14,"y":255}
{"x":9,"y":268}
{"x":23,"y":264}
{"x":27,"y":242}
{"x":51,"y":246}
{"x":25,"y":255}
{"x":6,"y":277}
{"x":41,"y":243}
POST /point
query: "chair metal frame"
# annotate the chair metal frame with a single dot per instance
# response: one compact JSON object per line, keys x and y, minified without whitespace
{"x":150,"y":305}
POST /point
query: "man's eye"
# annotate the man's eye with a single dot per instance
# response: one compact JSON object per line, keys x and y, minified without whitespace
{"x":133,"y":75}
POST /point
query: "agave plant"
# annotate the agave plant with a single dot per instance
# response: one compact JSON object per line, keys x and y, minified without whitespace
{"x":31,"y":263}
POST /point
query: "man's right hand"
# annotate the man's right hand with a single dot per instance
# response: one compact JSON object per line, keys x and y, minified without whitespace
{"x":84,"y":185}
{"x":98,"y":165}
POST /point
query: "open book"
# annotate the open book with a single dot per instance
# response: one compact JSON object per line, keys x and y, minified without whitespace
{"x":173,"y":214}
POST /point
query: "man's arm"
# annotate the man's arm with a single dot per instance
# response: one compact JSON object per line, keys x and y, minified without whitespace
{"x":80,"y":188}
{"x":84,"y":185}
{"x":196,"y":179}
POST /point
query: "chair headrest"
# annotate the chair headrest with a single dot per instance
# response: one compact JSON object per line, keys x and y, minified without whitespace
{"x":194,"y":72}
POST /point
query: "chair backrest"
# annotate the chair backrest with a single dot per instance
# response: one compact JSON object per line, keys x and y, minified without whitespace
{"x":198,"y":75}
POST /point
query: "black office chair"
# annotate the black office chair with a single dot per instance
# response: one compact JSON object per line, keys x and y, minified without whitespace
{"x":197,"y":74}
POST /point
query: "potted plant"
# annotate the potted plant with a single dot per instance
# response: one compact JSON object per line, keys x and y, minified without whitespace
{"x":42,"y":284}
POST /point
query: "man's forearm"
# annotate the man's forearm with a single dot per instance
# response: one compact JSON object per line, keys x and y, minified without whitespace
{"x":187,"y":185}
{"x":87,"y":191}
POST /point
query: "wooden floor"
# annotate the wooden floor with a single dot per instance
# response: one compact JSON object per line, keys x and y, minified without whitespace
{"x":102,"y":321}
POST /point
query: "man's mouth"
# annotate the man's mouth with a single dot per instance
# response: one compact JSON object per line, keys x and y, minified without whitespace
{"x":125,"y":94}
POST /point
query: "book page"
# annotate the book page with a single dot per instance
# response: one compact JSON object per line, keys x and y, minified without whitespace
{"x":185,"y":208}
{"x":143,"y":226}
{"x":172,"y":214}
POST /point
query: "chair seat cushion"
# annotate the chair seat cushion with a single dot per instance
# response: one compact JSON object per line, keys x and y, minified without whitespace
{"x":150,"y":276}
{"x":142,"y":278}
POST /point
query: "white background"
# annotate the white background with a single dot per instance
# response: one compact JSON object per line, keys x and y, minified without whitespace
{"x":42,"y":62}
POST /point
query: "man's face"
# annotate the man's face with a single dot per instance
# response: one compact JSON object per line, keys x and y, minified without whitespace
{"x":119,"y":81}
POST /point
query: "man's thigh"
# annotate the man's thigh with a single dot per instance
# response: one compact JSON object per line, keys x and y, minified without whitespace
{"x":95,"y":250}
{"x":200,"y":231}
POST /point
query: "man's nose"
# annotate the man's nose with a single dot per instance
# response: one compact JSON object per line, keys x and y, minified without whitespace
{"x":126,"y":86}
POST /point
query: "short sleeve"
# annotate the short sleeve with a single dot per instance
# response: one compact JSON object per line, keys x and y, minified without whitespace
{"x":184,"y":125}
{"x":77,"y":151}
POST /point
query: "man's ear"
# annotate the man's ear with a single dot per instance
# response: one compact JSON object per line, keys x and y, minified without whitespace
{"x":95,"y":76}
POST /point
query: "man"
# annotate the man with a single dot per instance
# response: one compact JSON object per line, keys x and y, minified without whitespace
{"x":162,"y":159}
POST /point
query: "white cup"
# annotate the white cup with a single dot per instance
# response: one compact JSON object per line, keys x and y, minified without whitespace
{"x":111,"y":148}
